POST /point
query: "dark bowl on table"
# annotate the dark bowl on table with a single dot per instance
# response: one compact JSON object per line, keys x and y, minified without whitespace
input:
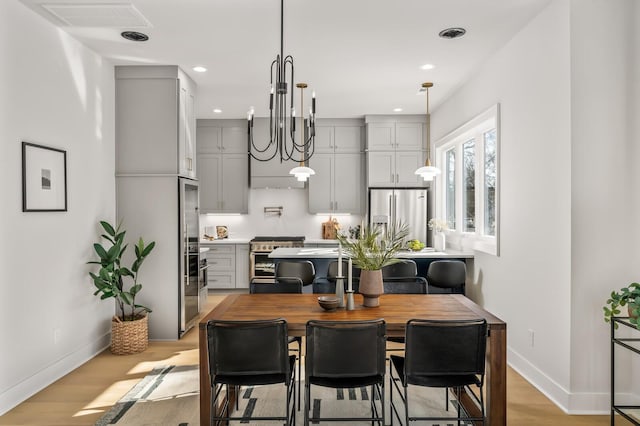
{"x":328,"y":303}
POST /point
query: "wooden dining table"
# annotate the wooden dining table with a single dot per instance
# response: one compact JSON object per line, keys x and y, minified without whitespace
{"x":396,"y":309}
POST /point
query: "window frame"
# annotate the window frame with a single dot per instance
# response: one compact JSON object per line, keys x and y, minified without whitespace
{"x":476,"y":128}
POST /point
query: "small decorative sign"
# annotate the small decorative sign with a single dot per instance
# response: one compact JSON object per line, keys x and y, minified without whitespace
{"x":44,"y":179}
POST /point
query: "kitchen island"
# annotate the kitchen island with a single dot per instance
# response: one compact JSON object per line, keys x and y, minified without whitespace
{"x":320,"y":257}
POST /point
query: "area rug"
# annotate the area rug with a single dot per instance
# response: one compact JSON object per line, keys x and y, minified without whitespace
{"x":170,"y":396}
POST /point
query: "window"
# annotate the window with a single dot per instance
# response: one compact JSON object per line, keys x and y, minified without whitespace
{"x":468,"y":194}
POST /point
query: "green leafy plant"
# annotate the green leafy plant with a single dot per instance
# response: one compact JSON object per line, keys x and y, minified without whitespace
{"x":109,"y":280}
{"x":630,"y":296}
{"x":375,"y":247}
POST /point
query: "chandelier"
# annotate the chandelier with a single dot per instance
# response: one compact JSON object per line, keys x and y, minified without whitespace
{"x":283,"y":143}
{"x":428,"y":172}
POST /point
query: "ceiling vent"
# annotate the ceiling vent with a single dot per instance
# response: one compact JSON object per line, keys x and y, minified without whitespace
{"x":117,"y":15}
{"x":452,"y":33}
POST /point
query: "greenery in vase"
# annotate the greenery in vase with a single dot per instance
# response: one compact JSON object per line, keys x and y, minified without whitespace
{"x":630,"y":296}
{"x":375,"y":247}
{"x":109,"y":280}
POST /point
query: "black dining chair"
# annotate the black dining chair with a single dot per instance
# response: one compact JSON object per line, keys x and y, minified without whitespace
{"x":402,"y":277}
{"x":249,"y":353}
{"x":301,"y":271}
{"x":447,"y":276}
{"x":328,"y":284}
{"x":258,"y":286}
{"x":441,"y":354}
{"x":345,"y":354}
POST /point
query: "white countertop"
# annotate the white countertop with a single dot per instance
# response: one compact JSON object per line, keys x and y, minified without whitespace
{"x":225,"y":241}
{"x":332,"y":253}
{"x":320,"y":241}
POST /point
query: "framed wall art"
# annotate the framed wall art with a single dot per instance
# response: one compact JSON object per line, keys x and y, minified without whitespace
{"x":44,"y":178}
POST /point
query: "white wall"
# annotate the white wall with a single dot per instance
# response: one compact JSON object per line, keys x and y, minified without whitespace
{"x":57,"y":93}
{"x":295,"y":219}
{"x":566,"y":86}
{"x":603,"y":55}
{"x":529,"y":285}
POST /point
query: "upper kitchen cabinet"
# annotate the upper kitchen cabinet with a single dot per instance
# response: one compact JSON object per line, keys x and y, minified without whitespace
{"x":337,"y":186}
{"x":395,"y":149}
{"x":395,"y":133}
{"x":273,"y":173}
{"x":339,"y":136}
{"x":223,"y":166}
{"x":156,"y":126}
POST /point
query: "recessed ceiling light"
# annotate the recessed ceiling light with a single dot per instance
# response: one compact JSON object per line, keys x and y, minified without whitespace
{"x":134,"y":36}
{"x":454,"y":32}
{"x":427,"y":67}
{"x":397,"y":110}
{"x":217,"y":110}
{"x":199,"y":69}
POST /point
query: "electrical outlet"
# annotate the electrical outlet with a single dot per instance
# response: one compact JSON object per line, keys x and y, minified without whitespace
{"x":56,"y":336}
{"x":531,"y":337}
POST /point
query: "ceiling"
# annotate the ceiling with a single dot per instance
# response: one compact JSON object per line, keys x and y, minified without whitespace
{"x":359,"y":56}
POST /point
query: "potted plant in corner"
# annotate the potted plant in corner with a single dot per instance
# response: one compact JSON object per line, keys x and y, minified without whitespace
{"x":629,"y":296}
{"x":371,"y":251}
{"x":129,"y":327}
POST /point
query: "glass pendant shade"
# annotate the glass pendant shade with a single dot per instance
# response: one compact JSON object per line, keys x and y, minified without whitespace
{"x":428,"y":172}
{"x":302,"y":173}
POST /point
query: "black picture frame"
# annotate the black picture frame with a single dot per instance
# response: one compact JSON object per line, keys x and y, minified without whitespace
{"x":44,"y":178}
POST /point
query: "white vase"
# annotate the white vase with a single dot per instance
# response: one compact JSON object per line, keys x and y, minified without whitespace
{"x":439,"y":241}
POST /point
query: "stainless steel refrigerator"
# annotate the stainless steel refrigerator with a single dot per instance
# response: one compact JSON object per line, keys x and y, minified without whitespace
{"x":189,"y":254}
{"x":405,"y":205}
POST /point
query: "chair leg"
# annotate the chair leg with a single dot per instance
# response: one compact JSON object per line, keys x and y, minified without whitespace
{"x":406,"y":405}
{"x":459,"y":392}
{"x":299,"y":370}
{"x":307,"y":397}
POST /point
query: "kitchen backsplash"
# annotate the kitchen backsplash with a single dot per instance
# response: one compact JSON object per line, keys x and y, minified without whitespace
{"x":294,"y":219}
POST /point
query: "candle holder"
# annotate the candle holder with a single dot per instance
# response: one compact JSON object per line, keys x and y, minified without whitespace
{"x":350,"y":302}
{"x":340,"y":291}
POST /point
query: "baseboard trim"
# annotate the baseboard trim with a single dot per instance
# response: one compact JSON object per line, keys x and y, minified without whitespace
{"x":43,"y":378}
{"x":569,"y":403}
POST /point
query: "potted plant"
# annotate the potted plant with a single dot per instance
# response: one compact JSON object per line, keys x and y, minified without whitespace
{"x":371,"y":251}
{"x":129,"y":327}
{"x":629,"y":296}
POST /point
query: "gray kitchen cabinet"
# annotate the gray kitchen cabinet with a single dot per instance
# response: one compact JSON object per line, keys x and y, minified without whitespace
{"x":223,"y":166}
{"x":242,"y":266}
{"x":228,"y":266}
{"x":395,"y":135}
{"x":222,"y":136}
{"x":155,"y":114}
{"x":339,"y":135}
{"x":337,"y":185}
{"x":222,"y":266}
{"x":395,"y":150}
{"x":394,"y":168}
{"x":273,"y":173}
{"x":223,"y":183}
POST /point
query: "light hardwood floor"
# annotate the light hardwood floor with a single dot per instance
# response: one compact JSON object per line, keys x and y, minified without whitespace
{"x":82,"y":396}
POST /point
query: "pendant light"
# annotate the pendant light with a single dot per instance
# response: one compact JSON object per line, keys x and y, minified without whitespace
{"x":282,"y":143}
{"x":302,"y":172}
{"x":428,"y":172}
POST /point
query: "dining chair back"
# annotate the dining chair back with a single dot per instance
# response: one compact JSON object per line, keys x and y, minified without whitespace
{"x":346,"y":354}
{"x":294,"y":271}
{"x":275,"y":287}
{"x":447,"y":276}
{"x":249,"y":353}
{"x":328,"y":283}
{"x":442,"y":354}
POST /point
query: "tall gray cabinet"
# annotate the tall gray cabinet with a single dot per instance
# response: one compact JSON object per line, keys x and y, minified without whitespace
{"x":395,"y":149}
{"x":223,"y":166}
{"x":155,"y":146}
{"x":337,"y":186}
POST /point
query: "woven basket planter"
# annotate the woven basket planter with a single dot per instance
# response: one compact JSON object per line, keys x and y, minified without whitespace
{"x":129,"y":337}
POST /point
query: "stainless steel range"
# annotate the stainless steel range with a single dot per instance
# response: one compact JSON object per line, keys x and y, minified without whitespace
{"x":261,"y":267}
